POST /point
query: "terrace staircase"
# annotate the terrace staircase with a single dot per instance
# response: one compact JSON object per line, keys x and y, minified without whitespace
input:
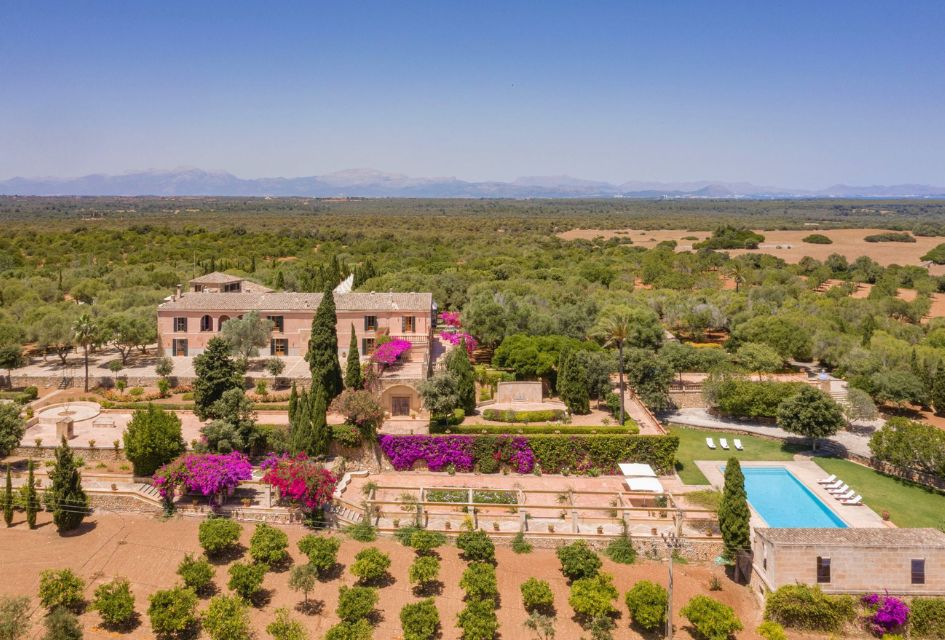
{"x":65,"y":382}
{"x":147,"y":492}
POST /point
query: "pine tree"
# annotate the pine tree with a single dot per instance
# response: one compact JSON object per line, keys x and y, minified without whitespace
{"x":734,"y":515}
{"x":66,"y":498}
{"x":457,"y":363}
{"x":216,"y":374}
{"x":353,"y":368}
{"x":322,"y":353}
{"x":572,"y":384}
{"x":8,"y":499}
{"x":320,"y":429}
{"x":32,"y":500}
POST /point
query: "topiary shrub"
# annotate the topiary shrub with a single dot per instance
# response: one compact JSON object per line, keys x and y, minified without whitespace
{"x":771,"y":631}
{"x":420,"y":620}
{"x":285,"y":628}
{"x":647,"y":604}
{"x":476,"y":546}
{"x":508,"y":415}
{"x":537,"y":595}
{"x":359,"y":630}
{"x":227,"y":619}
{"x":62,"y":588}
{"x":424,"y":571}
{"x":172,"y":611}
{"x":246,"y":579}
{"x":269,"y":545}
{"x":799,"y":606}
{"x":424,"y":541}
{"x":62,"y":624}
{"x":479,"y":582}
{"x":115,"y":602}
{"x":711,"y":619}
{"x":928,"y":617}
{"x":593,"y":597}
{"x":218,"y":536}
{"x":355,"y":603}
{"x":478,"y":620}
{"x":370,"y":565}
{"x":322,"y":551}
{"x":197,"y":574}
{"x":578,"y":560}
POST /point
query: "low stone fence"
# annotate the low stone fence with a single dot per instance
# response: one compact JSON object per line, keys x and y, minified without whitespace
{"x":98,"y":454}
{"x":122,"y":503}
{"x":688,"y":399}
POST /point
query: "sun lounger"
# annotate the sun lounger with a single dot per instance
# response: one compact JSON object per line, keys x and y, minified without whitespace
{"x":709,"y":442}
{"x":723,"y":443}
{"x":832,"y":477}
{"x":833,"y":485}
{"x":846,"y":495}
{"x":843,"y":488}
{"x":738,"y":444}
{"x":854,"y":501}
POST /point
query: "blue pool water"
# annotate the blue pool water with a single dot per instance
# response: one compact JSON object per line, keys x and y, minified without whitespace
{"x":783,"y":501}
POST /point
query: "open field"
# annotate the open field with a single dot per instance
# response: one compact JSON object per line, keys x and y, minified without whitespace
{"x":787,"y":245}
{"x":147,"y":551}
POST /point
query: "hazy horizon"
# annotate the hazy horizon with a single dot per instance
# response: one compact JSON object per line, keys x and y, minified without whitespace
{"x":802,"y":96}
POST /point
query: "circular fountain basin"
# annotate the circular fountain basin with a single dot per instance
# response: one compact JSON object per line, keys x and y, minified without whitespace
{"x":77,"y":411}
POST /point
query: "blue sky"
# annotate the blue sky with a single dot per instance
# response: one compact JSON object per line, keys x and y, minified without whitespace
{"x":802,"y":94}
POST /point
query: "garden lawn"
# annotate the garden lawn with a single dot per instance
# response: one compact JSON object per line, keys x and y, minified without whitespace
{"x":909,"y":505}
{"x":692,"y":447}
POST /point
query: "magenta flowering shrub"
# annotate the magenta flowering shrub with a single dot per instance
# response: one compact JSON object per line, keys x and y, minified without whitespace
{"x":208,"y":474}
{"x":889,"y":613}
{"x":450,"y":319}
{"x":438,"y":452}
{"x":389,"y":352}
{"x":301,"y":480}
{"x":516,"y":452}
{"x":455,"y":338}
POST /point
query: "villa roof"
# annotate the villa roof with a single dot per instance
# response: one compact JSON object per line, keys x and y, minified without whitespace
{"x":856,"y":537}
{"x":285,"y":301}
{"x":217,"y":277}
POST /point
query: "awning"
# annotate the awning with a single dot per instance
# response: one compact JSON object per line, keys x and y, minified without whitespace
{"x":645,"y":484}
{"x":636,"y":470}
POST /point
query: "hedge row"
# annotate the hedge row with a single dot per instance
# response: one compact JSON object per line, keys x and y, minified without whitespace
{"x":179,"y":406}
{"x":508,"y":415}
{"x":750,"y":399}
{"x":587,"y":454}
{"x":549,"y":429}
{"x":20,"y":397}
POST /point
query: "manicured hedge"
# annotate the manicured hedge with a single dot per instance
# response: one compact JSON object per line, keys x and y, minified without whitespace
{"x":549,"y":453}
{"x":549,"y":429}
{"x":508,"y":415}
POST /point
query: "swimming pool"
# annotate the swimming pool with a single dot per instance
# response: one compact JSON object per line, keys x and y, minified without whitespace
{"x":783,"y":501}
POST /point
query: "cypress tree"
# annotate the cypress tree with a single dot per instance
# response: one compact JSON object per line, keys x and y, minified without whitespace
{"x":293,"y":403}
{"x":734,"y":515}
{"x":938,"y":390}
{"x":301,"y":424}
{"x":66,"y":498}
{"x":8,"y":500}
{"x":320,"y":430}
{"x":353,"y":368}
{"x":322,"y":353}
{"x":32,"y":500}
{"x":457,"y":363}
{"x":573,"y":383}
{"x":280,"y":281}
{"x":216,"y":374}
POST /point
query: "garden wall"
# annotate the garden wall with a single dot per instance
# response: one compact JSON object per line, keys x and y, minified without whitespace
{"x":89,"y":455}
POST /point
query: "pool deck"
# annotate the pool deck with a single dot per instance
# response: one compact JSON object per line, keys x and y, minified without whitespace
{"x":808,"y":472}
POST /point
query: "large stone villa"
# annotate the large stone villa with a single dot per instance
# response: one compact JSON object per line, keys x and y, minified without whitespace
{"x":187,"y":320}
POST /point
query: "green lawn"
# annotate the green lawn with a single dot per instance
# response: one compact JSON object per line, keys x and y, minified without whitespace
{"x":909,"y":505}
{"x":692,"y":447}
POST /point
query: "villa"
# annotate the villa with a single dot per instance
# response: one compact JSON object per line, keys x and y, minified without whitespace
{"x":187,"y":320}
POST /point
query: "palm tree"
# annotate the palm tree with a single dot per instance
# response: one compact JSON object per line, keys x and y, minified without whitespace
{"x":615,"y":329}
{"x":85,"y":332}
{"x":738,"y":271}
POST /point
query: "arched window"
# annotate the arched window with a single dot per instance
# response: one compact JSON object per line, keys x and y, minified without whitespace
{"x":206,"y":323}
{"x":221,"y":322}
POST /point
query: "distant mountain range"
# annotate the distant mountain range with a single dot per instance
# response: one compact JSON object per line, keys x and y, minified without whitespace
{"x":372,"y":183}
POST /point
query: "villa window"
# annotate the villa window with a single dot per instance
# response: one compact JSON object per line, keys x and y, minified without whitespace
{"x":823,"y":570}
{"x":179,"y":347}
{"x":278,"y":323}
{"x":222,"y":321}
{"x":206,"y":323}
{"x":232,"y":287}
{"x":180,"y":325}
{"x":370,"y":323}
{"x":367,"y":346}
{"x":408,"y":324}
{"x":279,"y":347}
{"x":918,"y":571}
{"x":198,"y":288}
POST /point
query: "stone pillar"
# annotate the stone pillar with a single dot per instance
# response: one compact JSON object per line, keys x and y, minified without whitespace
{"x":64,"y":429}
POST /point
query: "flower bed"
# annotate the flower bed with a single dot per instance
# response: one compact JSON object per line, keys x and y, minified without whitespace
{"x":550,"y":453}
{"x":480,"y":496}
{"x":209,"y":474}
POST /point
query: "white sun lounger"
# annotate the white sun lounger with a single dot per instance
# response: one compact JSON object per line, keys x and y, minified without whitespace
{"x":833,"y":485}
{"x":846,"y":495}
{"x":709,"y":442}
{"x":723,"y":443}
{"x":843,"y":488}
{"x":828,"y":479}
{"x":854,"y":501}
{"x":738,"y":444}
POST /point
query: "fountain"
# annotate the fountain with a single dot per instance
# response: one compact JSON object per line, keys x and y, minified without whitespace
{"x":71,"y":411}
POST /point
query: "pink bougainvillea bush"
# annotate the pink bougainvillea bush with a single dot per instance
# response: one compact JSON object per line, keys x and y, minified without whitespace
{"x":389,"y":352}
{"x":300,"y":479}
{"x":889,"y":613}
{"x":209,"y":474}
{"x":456,"y":338}
{"x":451,"y":319}
{"x":439,"y":452}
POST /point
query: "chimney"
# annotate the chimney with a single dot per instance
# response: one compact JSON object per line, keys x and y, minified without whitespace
{"x":177,"y":295}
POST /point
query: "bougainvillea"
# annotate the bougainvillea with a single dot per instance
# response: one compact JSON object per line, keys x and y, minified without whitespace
{"x":209,"y":474}
{"x":438,"y":452}
{"x":455,"y":338}
{"x":889,"y":613}
{"x":451,"y":319}
{"x":389,"y":352}
{"x":301,"y":480}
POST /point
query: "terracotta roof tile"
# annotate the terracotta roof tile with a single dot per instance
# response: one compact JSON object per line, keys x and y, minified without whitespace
{"x":855,"y":537}
{"x":286,"y":301}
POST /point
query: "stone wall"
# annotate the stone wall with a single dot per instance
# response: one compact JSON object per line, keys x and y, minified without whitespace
{"x":122,"y":503}
{"x":688,"y":399}
{"x":89,"y":455}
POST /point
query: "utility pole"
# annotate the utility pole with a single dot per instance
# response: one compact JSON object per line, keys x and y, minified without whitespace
{"x":673,"y":543}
